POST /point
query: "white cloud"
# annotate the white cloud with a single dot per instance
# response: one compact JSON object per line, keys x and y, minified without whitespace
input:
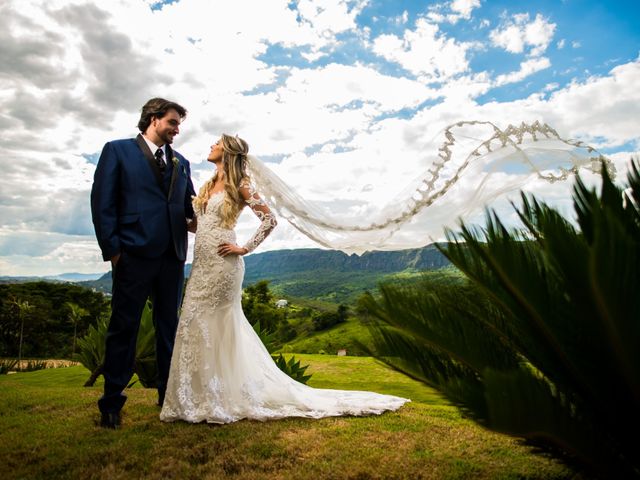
{"x":561,"y":43}
{"x":74,"y":74}
{"x":528,"y":67}
{"x":464,"y":7}
{"x":519,"y":33}
{"x":457,"y":10}
{"x":401,"y":19}
{"x":41,"y":253}
{"x":599,"y":111}
{"x":425,"y":52}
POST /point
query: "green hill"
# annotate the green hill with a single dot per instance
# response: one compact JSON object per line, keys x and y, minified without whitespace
{"x":325,"y":274}
{"x":334,"y":276}
{"x":283,"y":262}
{"x":353,"y":333}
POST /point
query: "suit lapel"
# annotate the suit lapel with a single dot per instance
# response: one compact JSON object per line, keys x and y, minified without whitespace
{"x":151,"y":159}
{"x":174,"y":170}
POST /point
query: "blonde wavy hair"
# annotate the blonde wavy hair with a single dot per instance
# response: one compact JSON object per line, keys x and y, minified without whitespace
{"x":234,"y":159}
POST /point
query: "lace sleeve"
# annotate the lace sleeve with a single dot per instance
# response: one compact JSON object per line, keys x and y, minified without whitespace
{"x":267,"y":219}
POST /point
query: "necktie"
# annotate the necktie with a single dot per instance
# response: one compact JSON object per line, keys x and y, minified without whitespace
{"x":160,"y":160}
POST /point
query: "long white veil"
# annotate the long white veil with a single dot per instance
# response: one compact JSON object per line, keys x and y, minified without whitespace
{"x":475,"y":163}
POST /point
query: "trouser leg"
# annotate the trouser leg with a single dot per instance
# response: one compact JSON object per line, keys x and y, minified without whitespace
{"x":132,"y":283}
{"x":167,"y":296}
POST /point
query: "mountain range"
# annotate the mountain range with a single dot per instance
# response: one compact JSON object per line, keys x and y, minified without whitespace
{"x":310,"y":272}
{"x":63,"y":277}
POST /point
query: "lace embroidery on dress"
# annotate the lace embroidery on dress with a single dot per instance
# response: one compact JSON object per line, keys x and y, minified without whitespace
{"x":220,"y":370}
{"x":202,"y":297}
{"x":267,"y":219}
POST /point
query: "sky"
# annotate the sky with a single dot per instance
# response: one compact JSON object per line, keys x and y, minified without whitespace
{"x":329,"y":93}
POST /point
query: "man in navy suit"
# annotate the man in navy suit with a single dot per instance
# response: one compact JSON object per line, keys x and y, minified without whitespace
{"x":141,"y":208}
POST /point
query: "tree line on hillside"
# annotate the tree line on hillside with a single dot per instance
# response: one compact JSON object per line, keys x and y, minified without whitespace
{"x":44,"y":319}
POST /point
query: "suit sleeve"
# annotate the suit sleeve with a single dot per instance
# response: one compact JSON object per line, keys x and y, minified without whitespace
{"x":104,"y":202}
{"x":189,"y":194}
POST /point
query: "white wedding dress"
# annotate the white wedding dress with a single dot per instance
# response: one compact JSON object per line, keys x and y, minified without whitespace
{"x":220,"y":370}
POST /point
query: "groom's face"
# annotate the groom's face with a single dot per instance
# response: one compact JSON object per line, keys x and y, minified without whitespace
{"x":167,"y":127}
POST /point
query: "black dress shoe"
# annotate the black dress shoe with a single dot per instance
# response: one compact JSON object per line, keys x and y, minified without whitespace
{"x":110,"y":420}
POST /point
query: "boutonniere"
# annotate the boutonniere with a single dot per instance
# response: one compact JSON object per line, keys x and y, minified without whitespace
{"x":175,"y":161}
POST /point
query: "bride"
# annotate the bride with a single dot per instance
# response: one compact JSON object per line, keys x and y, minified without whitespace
{"x":220,"y":370}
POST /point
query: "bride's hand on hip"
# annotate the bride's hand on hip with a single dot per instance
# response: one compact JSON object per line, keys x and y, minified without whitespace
{"x":225,"y":249}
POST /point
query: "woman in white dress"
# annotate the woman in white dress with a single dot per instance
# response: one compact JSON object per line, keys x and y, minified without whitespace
{"x":220,"y":370}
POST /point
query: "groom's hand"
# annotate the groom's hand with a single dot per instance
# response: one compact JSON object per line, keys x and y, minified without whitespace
{"x":225,"y":249}
{"x":114,"y":260}
{"x":192,"y":224}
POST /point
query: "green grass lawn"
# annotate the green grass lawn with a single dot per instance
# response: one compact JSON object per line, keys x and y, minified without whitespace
{"x":48,"y":429}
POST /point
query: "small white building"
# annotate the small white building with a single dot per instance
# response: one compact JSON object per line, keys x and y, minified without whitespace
{"x":281,"y":303}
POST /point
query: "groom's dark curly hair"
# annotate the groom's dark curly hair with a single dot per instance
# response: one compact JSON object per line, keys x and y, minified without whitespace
{"x":158,"y":108}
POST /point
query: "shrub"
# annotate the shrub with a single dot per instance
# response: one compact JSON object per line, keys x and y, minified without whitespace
{"x":325,"y":320}
{"x":286,"y":332}
{"x":542,"y":341}
{"x":92,"y":350}
{"x":291,"y":367}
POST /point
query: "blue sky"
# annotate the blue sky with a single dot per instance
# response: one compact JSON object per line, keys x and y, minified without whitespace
{"x":336,"y":95}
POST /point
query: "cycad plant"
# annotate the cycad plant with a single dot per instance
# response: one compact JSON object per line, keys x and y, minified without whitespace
{"x":542,"y":340}
{"x":145,"y":365}
{"x":92,"y":347}
{"x":292,"y":366}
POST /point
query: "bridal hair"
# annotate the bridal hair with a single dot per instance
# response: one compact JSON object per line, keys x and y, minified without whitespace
{"x":234,"y":163}
{"x":158,"y":108}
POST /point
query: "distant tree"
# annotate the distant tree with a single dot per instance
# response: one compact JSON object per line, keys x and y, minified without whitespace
{"x":342,"y":312}
{"x":76,"y":313}
{"x":260,"y":292}
{"x":24,"y":309}
{"x":258,"y":306}
{"x":286,"y":332}
{"x":325,"y":320}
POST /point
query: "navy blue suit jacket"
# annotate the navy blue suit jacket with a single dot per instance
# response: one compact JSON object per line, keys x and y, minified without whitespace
{"x":134,"y":208}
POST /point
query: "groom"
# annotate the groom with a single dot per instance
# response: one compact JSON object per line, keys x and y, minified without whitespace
{"x":141,"y":205}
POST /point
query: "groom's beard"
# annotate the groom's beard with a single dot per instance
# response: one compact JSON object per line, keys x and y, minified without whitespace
{"x":166,"y":137}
